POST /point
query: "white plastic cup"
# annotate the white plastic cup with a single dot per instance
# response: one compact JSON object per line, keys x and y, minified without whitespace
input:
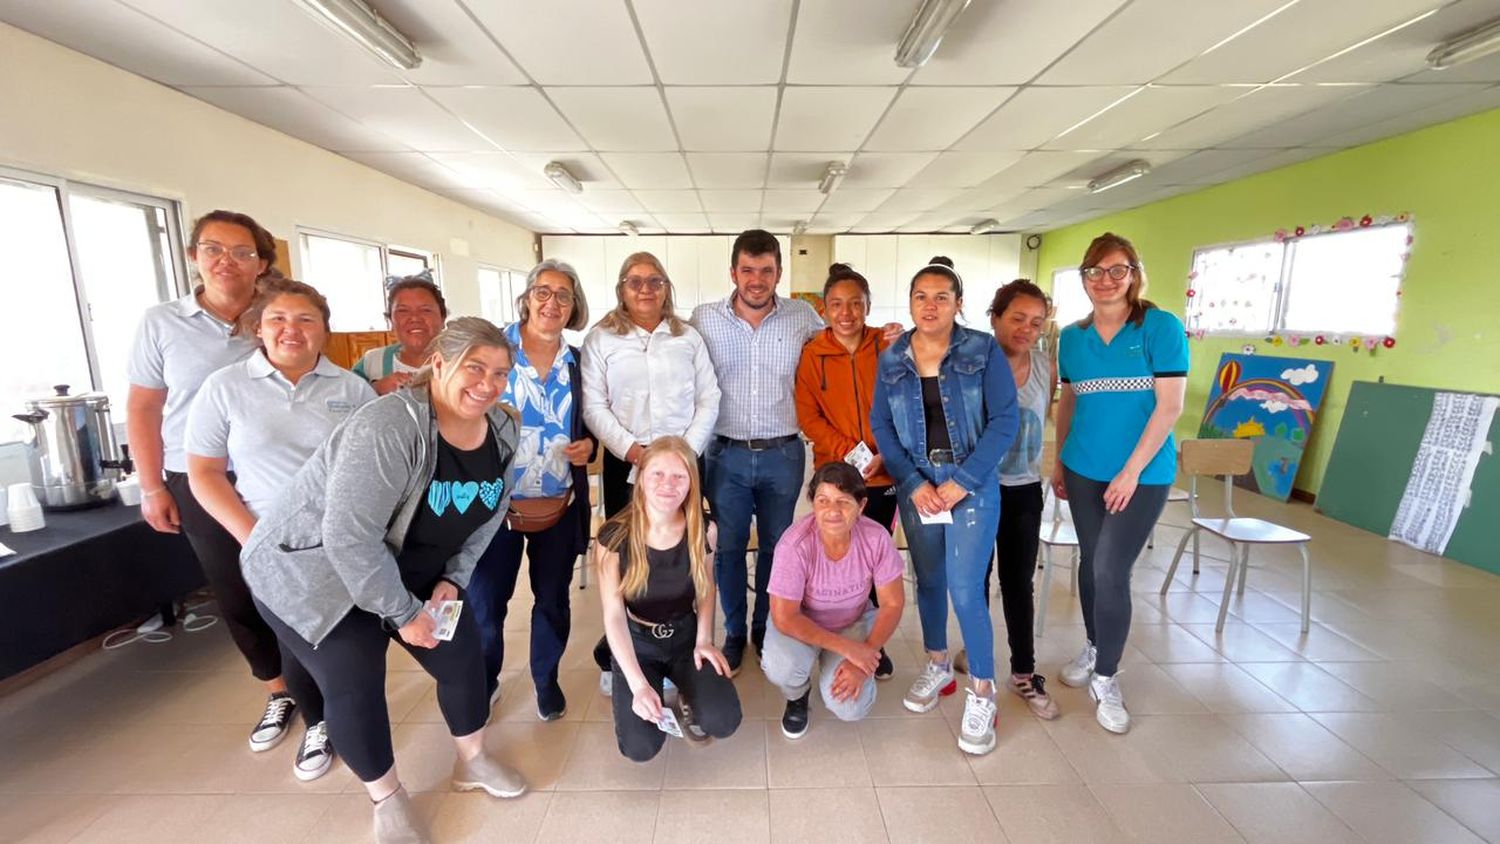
{"x":4,"y":506}
{"x":23,"y":510}
{"x":130,"y":491}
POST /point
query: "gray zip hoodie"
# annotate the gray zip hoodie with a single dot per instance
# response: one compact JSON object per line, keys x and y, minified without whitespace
{"x":330,"y":540}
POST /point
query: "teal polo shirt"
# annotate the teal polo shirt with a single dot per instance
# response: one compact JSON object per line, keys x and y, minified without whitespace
{"x":1115,"y":386}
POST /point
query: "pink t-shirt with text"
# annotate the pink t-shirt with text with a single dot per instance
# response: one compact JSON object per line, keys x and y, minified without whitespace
{"x":833,"y":593}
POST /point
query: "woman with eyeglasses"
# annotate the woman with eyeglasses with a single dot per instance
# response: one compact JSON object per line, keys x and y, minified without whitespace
{"x":415,"y":309}
{"x":1124,"y":372}
{"x":548,"y":519}
{"x":177,"y":346}
{"x":646,"y":374}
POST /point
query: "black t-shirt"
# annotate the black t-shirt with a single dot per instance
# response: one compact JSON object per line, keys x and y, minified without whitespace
{"x":464,"y":491}
{"x":669,"y":591}
{"x":937,"y":421}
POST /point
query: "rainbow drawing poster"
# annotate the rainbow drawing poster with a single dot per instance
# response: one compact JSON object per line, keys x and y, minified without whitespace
{"x":1273,"y":401}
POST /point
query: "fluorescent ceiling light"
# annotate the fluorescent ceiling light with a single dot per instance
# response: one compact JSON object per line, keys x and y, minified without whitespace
{"x":628,"y":228}
{"x":832,"y":175}
{"x":985,"y":226}
{"x":929,"y":24}
{"x":799,"y":228}
{"x":1468,"y":46}
{"x":360,"y":23}
{"x":562,"y":178}
{"x":1120,"y":175}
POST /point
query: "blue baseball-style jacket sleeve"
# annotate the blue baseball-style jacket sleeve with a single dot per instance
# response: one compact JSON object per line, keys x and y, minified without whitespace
{"x":897,"y":461}
{"x":1002,"y":420}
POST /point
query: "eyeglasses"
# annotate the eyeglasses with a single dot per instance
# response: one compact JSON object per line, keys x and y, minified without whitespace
{"x":542,"y":295}
{"x":214,"y":251}
{"x":652,"y":283}
{"x":1118,"y":272}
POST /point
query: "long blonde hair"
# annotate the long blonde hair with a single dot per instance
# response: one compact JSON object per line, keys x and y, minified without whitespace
{"x":618,"y":321}
{"x":628,"y":528}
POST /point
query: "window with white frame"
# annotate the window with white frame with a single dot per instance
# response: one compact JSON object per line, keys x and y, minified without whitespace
{"x":401,"y":261}
{"x":1069,"y":301}
{"x":351,"y":274}
{"x":1339,"y":282}
{"x":86,"y":262}
{"x":498,"y":289}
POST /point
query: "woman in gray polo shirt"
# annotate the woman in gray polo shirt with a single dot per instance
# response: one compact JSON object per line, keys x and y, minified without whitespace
{"x":177,"y":346}
{"x":267,"y":415}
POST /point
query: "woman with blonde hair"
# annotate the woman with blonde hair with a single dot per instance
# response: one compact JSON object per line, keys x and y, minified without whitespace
{"x":656,"y":586}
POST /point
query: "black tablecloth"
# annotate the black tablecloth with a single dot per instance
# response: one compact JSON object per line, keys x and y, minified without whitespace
{"x":85,"y":573}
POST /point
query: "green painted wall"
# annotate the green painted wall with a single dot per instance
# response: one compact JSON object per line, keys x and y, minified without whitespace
{"x":1448,"y":332}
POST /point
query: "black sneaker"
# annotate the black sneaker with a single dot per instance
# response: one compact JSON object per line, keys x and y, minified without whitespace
{"x":315,"y":756}
{"x":273,"y":722}
{"x":734,"y":653}
{"x":885,"y":669}
{"x":794,"y":719}
{"x":758,"y":639}
{"x":684,"y":712}
{"x":550,"y":703}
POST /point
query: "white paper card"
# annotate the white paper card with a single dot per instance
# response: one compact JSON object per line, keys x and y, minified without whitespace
{"x":446,"y":614}
{"x":943,"y":518}
{"x":668,"y":723}
{"x":859,"y":457}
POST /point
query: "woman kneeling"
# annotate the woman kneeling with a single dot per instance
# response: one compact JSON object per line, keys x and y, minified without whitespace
{"x":658,"y":594}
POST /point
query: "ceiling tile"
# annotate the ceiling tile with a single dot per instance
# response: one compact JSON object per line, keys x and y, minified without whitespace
{"x":846,"y":200}
{"x":915,"y":199}
{"x":815,"y":119}
{"x":1372,"y":105}
{"x":847,"y":42}
{"x":610,"y":202}
{"x":723,"y":119}
{"x":1037,"y":168}
{"x":412,"y":167}
{"x":1262,"y":107}
{"x":1300,"y":35}
{"x":963,"y":169}
{"x":801,"y":169}
{"x":670,"y":201}
{"x":1037,"y":115}
{"x":405,"y":114}
{"x":1274,"y":161}
{"x":1010,"y":43}
{"x":730,"y":201}
{"x":1151,"y":110}
{"x":727,"y":169}
{"x":293,"y":112}
{"x":679,"y":222}
{"x":492,"y":171}
{"x":1158,"y":35}
{"x":833,"y":222}
{"x":1484,"y":100}
{"x":715,"y":42}
{"x":454,"y":50}
{"x":792,"y":201}
{"x":733,"y":223}
{"x":587,"y":167}
{"x":617,"y":119}
{"x":884,"y":221}
{"x":1201,"y":168}
{"x":515,"y":118}
{"x":598,"y":41}
{"x":886,"y":169}
{"x":131,"y":40}
{"x":933,"y":118}
{"x":649,"y":170}
{"x":303,"y":52}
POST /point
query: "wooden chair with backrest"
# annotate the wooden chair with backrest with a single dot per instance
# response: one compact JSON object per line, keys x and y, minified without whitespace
{"x":1228,"y":458}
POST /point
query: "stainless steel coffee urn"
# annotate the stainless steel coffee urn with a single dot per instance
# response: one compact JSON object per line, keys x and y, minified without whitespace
{"x":74,"y":459}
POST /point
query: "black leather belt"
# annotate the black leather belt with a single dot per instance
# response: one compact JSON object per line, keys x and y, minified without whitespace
{"x":666,"y":629}
{"x":939,"y":456}
{"x":759,"y":445}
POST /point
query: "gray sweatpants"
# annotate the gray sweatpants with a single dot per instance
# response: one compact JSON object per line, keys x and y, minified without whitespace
{"x":789,"y":664}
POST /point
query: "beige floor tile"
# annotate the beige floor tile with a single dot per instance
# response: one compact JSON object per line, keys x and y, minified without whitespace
{"x":1258,"y":608}
{"x":735,"y":762}
{"x":1024,"y":754}
{"x":1276,"y":813}
{"x":622,"y":816}
{"x":1199,"y":748}
{"x":50,"y":818}
{"x":919,"y":750}
{"x":257,"y":818}
{"x":1393,"y":688}
{"x":826,"y":816}
{"x":1407,"y":755}
{"x":1164,"y":814}
{"x":1309,"y":687}
{"x":1475,"y":734}
{"x":538,"y":750}
{"x":1226,"y":688}
{"x":518,"y":695}
{"x":713,"y":817}
{"x":1241,"y":642}
{"x":1101,"y":756}
{"x":828,"y":755}
{"x":1163,"y":643}
{"x":1052,"y":814}
{"x":1187,"y":607}
{"x":1303,"y":748}
{"x":1475,"y":803}
{"x":474,"y":816}
{"x":1319,"y":643}
{"x":596,"y":764}
{"x":1150,"y":690}
{"x":349,"y":820}
{"x":1390,"y":813}
{"x":938,"y":814}
{"x":425,"y":754}
{"x":150,"y":818}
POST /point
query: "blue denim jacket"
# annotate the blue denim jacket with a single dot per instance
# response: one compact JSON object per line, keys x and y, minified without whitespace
{"x":979,"y":402}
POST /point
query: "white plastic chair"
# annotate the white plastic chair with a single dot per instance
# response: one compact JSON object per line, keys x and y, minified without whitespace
{"x":1057,"y":532}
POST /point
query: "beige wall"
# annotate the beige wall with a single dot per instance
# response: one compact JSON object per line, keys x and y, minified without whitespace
{"x":811,"y":270}
{"x":65,"y":114}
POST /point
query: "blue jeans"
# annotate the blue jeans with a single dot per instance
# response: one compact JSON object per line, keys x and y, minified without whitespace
{"x":744,"y":483}
{"x":950,"y":561}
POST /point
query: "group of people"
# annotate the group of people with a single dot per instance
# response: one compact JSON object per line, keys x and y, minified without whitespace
{"x":335,"y":511}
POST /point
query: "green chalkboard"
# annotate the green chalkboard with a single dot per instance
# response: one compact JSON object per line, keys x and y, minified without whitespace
{"x":1372,"y":457}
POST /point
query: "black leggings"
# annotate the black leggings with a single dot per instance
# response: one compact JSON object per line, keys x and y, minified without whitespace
{"x":1108,"y":545}
{"x":715,"y":703}
{"x":1015,"y":545}
{"x":349,"y":666}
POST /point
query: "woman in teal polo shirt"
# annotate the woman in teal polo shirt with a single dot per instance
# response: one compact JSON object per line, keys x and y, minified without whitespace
{"x":1124,"y":371}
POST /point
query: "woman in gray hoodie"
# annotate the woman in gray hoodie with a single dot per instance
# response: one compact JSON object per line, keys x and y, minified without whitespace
{"x":380,"y":529}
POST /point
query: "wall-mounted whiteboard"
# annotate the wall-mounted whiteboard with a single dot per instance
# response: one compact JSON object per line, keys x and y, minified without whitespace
{"x":985,"y":262}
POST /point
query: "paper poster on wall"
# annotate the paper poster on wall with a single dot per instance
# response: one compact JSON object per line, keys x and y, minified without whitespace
{"x":1457,"y":436}
{"x":1272,"y":401}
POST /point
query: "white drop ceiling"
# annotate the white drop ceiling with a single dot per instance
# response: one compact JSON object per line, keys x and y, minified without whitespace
{"x":716,"y":115}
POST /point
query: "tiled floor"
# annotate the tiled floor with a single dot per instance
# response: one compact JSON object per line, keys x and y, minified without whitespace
{"x":1382,"y":724}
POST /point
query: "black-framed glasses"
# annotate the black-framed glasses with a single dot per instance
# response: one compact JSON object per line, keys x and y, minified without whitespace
{"x":652,"y":283}
{"x":1118,"y":272}
{"x":543,"y":295}
{"x":214,"y":251}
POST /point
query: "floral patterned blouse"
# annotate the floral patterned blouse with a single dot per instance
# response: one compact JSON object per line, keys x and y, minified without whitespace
{"x":545,"y":400}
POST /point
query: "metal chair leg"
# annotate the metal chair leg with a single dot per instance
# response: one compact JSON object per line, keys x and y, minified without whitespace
{"x":1076,"y":560}
{"x":1195,"y":549}
{"x":1043,"y":598}
{"x":1306,"y":586}
{"x":1151,"y":538}
{"x":1234,"y":553}
{"x":1177,"y":557}
{"x":1244,"y":569}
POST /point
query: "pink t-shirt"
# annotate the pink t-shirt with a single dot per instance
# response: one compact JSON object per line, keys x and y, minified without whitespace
{"x":833,"y":593}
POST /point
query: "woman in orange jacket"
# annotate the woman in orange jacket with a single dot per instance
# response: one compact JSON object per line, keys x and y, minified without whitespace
{"x":835,"y":387}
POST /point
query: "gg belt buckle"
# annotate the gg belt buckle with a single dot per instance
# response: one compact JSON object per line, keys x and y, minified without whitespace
{"x":662,"y":631}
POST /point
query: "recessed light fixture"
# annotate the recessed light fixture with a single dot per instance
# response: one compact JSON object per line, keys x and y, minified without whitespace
{"x":832,"y":175}
{"x":1128,"y":172}
{"x":1477,"y":42}
{"x":628,"y":228}
{"x":799,"y":228}
{"x":985,"y":226}
{"x":930,"y":22}
{"x":562,"y":178}
{"x":369,"y":30}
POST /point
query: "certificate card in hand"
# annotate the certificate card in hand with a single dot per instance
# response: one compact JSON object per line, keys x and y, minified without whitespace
{"x":446,"y":614}
{"x":859,"y":457}
{"x":943,"y":518}
{"x":668,"y":723}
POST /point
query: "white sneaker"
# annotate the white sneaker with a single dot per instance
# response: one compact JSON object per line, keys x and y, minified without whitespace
{"x":978,"y":733}
{"x":607,"y":683}
{"x":315,"y":756}
{"x":1111,"y":709}
{"x":1078,"y":672}
{"x":934,"y":682}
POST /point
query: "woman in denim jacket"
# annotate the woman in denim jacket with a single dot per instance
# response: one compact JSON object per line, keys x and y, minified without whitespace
{"x":944,"y":415}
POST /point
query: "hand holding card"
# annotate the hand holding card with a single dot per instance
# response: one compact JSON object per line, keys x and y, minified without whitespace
{"x":446,"y":614}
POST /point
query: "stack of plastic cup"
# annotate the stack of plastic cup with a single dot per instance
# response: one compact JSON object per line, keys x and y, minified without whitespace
{"x":23,"y":510}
